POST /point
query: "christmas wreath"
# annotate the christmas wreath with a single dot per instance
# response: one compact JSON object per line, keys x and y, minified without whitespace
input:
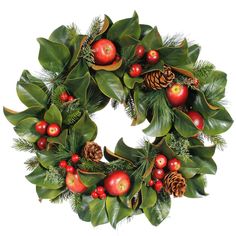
{"x":155,"y":78}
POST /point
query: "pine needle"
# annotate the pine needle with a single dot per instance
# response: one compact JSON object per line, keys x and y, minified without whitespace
{"x":130,"y":107}
{"x":75,"y":202}
{"x":54,"y":176}
{"x":94,"y":29}
{"x":21,"y":144}
{"x":173,"y":40}
{"x":64,"y":196}
{"x":202,"y":69}
{"x":217,"y":140}
{"x":31,"y":163}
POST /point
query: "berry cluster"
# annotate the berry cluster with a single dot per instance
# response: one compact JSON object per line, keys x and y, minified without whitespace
{"x":65,"y":97}
{"x":99,"y":192}
{"x":152,"y":57}
{"x":158,"y":172}
{"x":43,"y":128}
{"x":75,"y":158}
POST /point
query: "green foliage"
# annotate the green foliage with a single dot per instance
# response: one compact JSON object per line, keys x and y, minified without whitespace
{"x":31,"y":163}
{"x":202,"y":69}
{"x":152,"y":40}
{"x":21,"y":144}
{"x":53,"y":115}
{"x":217,"y":140}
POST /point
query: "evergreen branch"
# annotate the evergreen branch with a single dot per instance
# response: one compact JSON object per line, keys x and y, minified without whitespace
{"x":73,"y":31}
{"x":21,"y":144}
{"x":72,"y":117}
{"x":55,"y":176}
{"x":130,"y":107}
{"x":114,"y":104}
{"x":64,"y":196}
{"x":202,"y":69}
{"x":173,"y":40}
{"x":75,"y":202}
{"x":87,"y":53}
{"x":31,"y":163}
{"x":94,"y":29}
{"x":217,"y":140}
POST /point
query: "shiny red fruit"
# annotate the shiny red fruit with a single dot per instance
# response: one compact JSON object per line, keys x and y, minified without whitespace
{"x":63,"y":164}
{"x":151,"y":183}
{"x":117,"y":183}
{"x":196,"y":82}
{"x":158,"y":186}
{"x":70,"y":169}
{"x":139,"y":51}
{"x":53,"y":130}
{"x":135,"y":70}
{"x":64,"y":97}
{"x":197,"y":119}
{"x":75,"y":158}
{"x":177,"y":94}
{"x":174,"y":164}
{"x":94,"y":194}
{"x":104,"y":52}
{"x":100,"y":190}
{"x":158,"y":173}
{"x":70,"y":98}
{"x":41,"y":127}
{"x":42,"y":143}
{"x":74,"y":183}
{"x":160,"y":161}
{"x":152,"y":57}
{"x":103,"y":196}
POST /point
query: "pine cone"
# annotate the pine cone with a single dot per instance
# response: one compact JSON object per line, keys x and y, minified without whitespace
{"x":92,"y":151}
{"x":174,"y":183}
{"x":159,"y":79}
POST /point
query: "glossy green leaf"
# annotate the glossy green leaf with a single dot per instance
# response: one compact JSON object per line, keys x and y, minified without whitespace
{"x":61,"y":139}
{"x":159,"y":126}
{"x":99,"y":215}
{"x":38,"y":177}
{"x":152,"y":40}
{"x":110,"y":85}
{"x":49,"y":158}
{"x":189,"y":172}
{"x":175,"y":56}
{"x":31,"y":94}
{"x":15,"y":117}
{"x":78,"y":81}
{"x":149,"y":197}
{"x":130,"y":82}
{"x":116,"y":210}
{"x":160,"y":210}
{"x":85,"y":129}
{"x":196,"y":187}
{"x":193,"y":52}
{"x":61,"y":35}
{"x":206,"y":166}
{"x":145,"y":29}
{"x":53,"y":115}
{"x":214,"y":89}
{"x":45,"y":193}
{"x":53,"y":56}
{"x":132,"y":154}
{"x":123,"y":28}
{"x":91,"y":178}
{"x":184,"y":125}
{"x":202,"y":151}
{"x":82,"y":208}
{"x":26,"y":129}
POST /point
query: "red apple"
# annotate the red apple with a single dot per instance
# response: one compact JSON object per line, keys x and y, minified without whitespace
{"x":158,"y":173}
{"x":117,"y":183}
{"x":74,"y":183}
{"x":139,"y":51}
{"x":41,"y":127}
{"x":197,"y":119}
{"x":53,"y":130}
{"x":104,"y":52}
{"x":152,"y":57}
{"x":174,"y":164}
{"x":135,"y":70}
{"x":160,"y":161}
{"x":177,"y":94}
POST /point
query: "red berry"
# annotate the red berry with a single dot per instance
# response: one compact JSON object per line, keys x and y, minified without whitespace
{"x":70,"y":169}
{"x":102,"y":196}
{"x":152,"y":57}
{"x":160,"y":161}
{"x":64,"y":96}
{"x":63,"y":164}
{"x":151,"y":183}
{"x":70,"y":98}
{"x":100,"y":190}
{"x":196,"y":82}
{"x":158,"y":186}
{"x":135,"y":70}
{"x":42,"y":143}
{"x":174,"y":164}
{"x":41,"y":127}
{"x":53,"y":130}
{"x":197,"y":119}
{"x":140,"y":51}
{"x":94,"y":194}
{"x":158,"y":173}
{"x":75,"y":158}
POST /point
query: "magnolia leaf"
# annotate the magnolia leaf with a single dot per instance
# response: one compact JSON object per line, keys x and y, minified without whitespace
{"x":193,"y":53}
{"x":130,"y":81}
{"x":98,"y":212}
{"x":53,"y":115}
{"x":45,"y":193}
{"x":61,"y":139}
{"x":90,"y":178}
{"x":149,"y":197}
{"x":152,"y":40}
{"x":112,"y":67}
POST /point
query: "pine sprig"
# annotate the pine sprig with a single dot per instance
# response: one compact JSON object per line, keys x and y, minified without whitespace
{"x":202,"y":69}
{"x":179,"y":145}
{"x":55,"y":176}
{"x":173,"y":40}
{"x":217,"y":140}
{"x":31,"y":163}
{"x":114,"y":104}
{"x":94,"y":29}
{"x":64,"y":196}
{"x":130,"y":107}
{"x":75,"y":202}
{"x":73,"y":31}
{"x":21,"y":144}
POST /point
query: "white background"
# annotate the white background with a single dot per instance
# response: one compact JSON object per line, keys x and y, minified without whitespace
{"x":210,"y":23}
